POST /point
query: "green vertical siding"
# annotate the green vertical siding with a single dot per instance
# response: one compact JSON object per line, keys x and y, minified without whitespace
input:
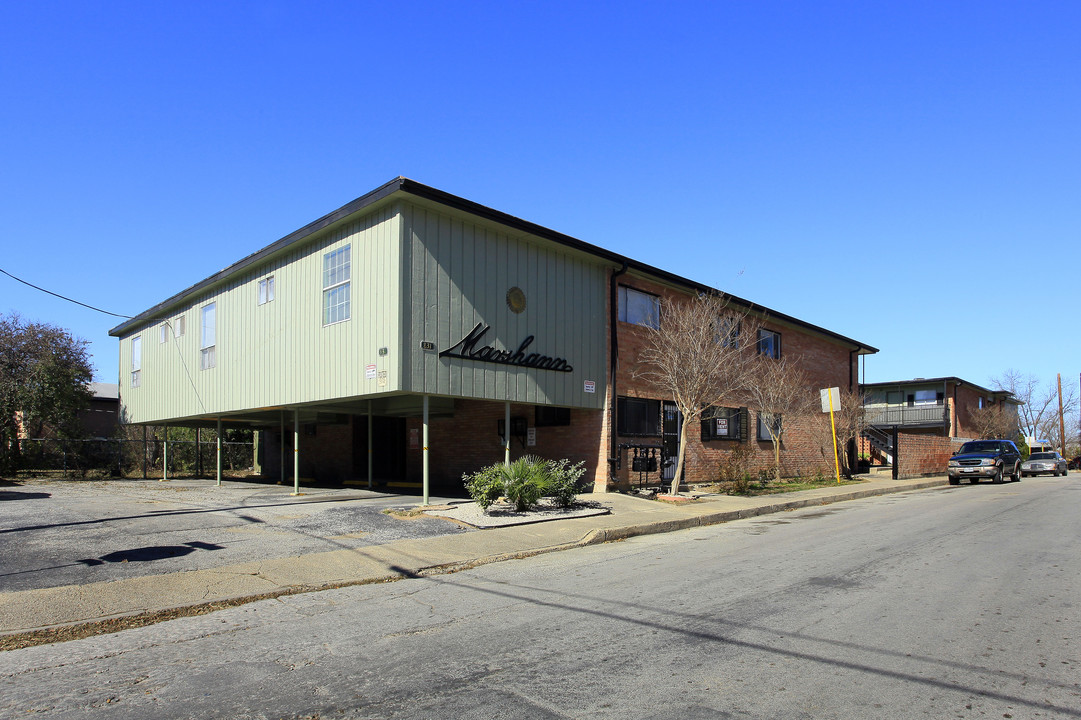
{"x":417,"y":274}
{"x":278,"y":353}
{"x":458,"y":272}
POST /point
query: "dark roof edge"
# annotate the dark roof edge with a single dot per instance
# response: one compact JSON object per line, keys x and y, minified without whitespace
{"x":313,"y":227}
{"x":459,"y":203}
{"x":927,"y":381}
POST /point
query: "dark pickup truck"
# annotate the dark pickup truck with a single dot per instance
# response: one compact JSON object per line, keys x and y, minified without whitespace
{"x":985,"y":458}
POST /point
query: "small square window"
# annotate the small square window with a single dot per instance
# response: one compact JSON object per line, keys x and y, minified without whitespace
{"x":165,"y":333}
{"x":722,"y":424}
{"x":638,"y":416}
{"x":639,"y":308}
{"x":178,"y":327}
{"x":728,"y":332}
{"x":769,"y":343}
{"x":266,"y":290}
{"x":763,"y":429}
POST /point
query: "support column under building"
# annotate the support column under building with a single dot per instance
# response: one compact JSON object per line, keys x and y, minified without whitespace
{"x":424,"y":452}
{"x":296,"y":451}
{"x":370,"y":436}
{"x":506,"y":434}
{"x":218,"y":452}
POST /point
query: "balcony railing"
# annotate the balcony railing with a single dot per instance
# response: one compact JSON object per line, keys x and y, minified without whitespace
{"x":905,"y":415}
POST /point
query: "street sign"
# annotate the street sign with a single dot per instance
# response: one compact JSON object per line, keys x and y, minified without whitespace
{"x":830,"y":394}
{"x":831,"y":398}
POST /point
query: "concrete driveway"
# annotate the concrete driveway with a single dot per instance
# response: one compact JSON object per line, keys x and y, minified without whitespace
{"x":60,"y":532}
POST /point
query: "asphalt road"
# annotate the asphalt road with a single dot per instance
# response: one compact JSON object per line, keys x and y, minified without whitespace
{"x":953,"y":603}
{"x":76,"y":532}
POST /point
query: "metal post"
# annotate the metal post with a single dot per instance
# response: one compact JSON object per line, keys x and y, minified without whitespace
{"x":370,"y":436}
{"x":1061,"y":422}
{"x":198,"y":453}
{"x":145,"y":452}
{"x":896,"y":453}
{"x":506,"y":434}
{"x":281,"y":448}
{"x":296,"y":451}
{"x":424,"y":453}
{"x":218,"y":452}
{"x":165,"y":455}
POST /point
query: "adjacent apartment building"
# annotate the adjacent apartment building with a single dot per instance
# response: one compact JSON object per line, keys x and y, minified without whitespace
{"x":412,"y":335}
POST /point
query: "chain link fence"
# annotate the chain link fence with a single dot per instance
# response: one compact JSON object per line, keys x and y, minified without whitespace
{"x":132,"y":457}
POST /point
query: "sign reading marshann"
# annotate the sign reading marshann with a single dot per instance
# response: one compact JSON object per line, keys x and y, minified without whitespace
{"x":467,"y":349}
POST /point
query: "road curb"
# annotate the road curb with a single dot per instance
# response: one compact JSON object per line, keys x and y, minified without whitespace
{"x":60,"y":632}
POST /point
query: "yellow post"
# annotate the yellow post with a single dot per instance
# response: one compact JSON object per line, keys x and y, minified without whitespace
{"x":833,"y":432}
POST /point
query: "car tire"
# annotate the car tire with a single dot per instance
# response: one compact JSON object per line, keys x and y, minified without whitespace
{"x":998,"y":477}
{"x":1016,"y":474}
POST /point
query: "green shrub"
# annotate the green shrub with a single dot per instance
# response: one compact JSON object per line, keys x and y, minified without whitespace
{"x":485,"y":486}
{"x":525,"y":481}
{"x":563,"y":480}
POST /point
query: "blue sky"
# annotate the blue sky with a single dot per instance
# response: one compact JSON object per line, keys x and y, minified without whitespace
{"x":905,"y":174}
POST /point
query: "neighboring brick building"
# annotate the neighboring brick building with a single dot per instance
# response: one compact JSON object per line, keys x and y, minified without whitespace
{"x":99,"y":420}
{"x":419,"y":325}
{"x":933,"y":416}
{"x":938,"y":406}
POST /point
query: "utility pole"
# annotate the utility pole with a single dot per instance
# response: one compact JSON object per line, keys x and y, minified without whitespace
{"x":1061,"y":422}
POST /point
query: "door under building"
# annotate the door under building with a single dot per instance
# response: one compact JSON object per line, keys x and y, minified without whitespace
{"x":388,"y":449}
{"x":671,"y":424}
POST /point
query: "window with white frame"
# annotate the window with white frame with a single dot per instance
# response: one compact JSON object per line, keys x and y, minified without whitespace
{"x":136,"y":360}
{"x":336,"y":275}
{"x":266,"y":289}
{"x":174,"y":328}
{"x":639,"y":308}
{"x":769,"y":343}
{"x":925,"y":397}
{"x":208,"y":338}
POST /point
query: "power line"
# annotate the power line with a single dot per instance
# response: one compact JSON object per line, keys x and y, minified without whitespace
{"x":50,"y":292}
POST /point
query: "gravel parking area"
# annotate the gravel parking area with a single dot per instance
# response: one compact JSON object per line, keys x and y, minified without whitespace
{"x":63,"y":532}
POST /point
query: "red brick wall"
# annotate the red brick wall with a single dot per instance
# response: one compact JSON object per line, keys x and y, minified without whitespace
{"x":325,"y":456}
{"x":470,"y":440}
{"x":923,"y":454}
{"x":806,"y":447}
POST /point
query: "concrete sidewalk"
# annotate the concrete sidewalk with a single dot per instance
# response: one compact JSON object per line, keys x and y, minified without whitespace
{"x":57,"y":613}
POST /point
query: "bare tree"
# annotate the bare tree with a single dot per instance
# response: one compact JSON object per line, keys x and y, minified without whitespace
{"x":1038,"y":415}
{"x":993,"y":422}
{"x":778,"y":391}
{"x":700,"y":354}
{"x":849,"y":421}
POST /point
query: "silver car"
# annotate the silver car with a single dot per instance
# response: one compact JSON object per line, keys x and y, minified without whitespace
{"x":1044,"y":462}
